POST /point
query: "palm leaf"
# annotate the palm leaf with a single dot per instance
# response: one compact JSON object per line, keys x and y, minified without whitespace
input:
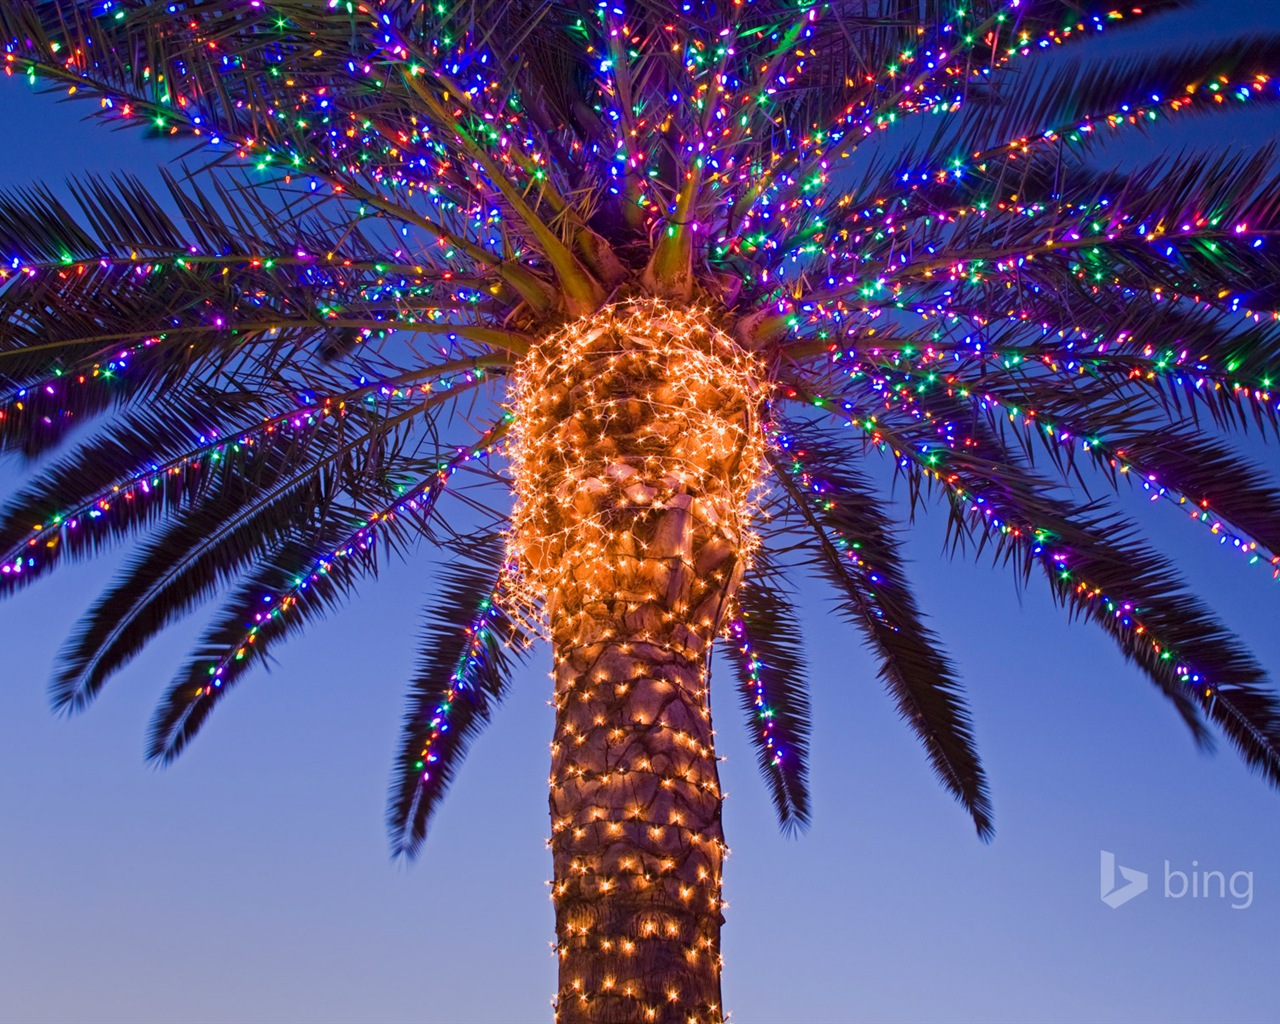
{"x":141,"y":469}
{"x":281,"y":596}
{"x":852,"y":546}
{"x":122,"y":496}
{"x":236,"y":639}
{"x":769,"y":665}
{"x":1100,"y":570}
{"x":1084,"y":94}
{"x":192,"y":559}
{"x":462,"y":675}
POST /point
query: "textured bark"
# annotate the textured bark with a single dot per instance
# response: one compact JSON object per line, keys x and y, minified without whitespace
{"x":635,"y":808}
{"x":635,"y":513}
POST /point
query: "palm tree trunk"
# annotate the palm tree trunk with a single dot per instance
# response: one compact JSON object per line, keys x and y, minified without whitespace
{"x":638,"y":447}
{"x":635,"y":810}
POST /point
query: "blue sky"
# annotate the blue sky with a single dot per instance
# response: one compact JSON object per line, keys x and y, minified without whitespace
{"x":251,"y":881}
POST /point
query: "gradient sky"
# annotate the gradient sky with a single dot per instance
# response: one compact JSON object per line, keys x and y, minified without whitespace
{"x":251,"y":881}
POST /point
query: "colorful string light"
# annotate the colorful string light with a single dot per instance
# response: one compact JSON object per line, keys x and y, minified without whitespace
{"x":667,"y":276}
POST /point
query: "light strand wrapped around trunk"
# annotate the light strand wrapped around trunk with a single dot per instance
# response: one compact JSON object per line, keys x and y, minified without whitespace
{"x":637,"y":452}
{"x":637,"y":409}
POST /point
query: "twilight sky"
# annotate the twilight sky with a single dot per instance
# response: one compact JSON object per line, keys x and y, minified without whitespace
{"x":251,"y":881}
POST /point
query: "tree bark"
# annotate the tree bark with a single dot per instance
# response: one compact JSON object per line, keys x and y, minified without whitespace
{"x":637,"y":449}
{"x":636,"y":839}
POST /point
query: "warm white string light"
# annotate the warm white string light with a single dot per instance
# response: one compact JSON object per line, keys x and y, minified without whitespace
{"x":637,"y":452}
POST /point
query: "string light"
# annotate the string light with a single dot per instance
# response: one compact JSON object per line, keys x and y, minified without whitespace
{"x":640,"y":433}
{"x":636,"y":456}
{"x":419,"y":501}
{"x":638,"y":409}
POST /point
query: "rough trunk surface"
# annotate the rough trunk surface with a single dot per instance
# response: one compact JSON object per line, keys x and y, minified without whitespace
{"x":638,"y":449}
{"x":636,"y":837}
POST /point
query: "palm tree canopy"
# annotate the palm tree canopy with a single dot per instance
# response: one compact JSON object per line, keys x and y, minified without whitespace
{"x":302,"y":345}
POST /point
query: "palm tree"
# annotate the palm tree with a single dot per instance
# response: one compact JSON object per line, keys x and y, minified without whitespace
{"x":619,"y":306}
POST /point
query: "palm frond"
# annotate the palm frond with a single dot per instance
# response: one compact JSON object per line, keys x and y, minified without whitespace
{"x":236,"y":639}
{"x":1078,"y":102}
{"x":1128,"y":440}
{"x":1099,"y":569}
{"x":1133,"y":595}
{"x":145,"y":466}
{"x":192,"y":558}
{"x":769,"y":664}
{"x":462,"y":675}
{"x":286,"y":592}
{"x":345,"y":449}
{"x":853,"y":547}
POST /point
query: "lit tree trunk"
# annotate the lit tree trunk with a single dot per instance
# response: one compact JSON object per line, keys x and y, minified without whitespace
{"x":635,"y":806}
{"x":637,"y":447}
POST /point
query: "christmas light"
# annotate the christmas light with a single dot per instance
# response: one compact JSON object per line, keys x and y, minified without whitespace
{"x":622,"y":265}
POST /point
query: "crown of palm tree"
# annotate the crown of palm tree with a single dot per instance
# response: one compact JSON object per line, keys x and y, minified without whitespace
{"x":304,"y":342}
